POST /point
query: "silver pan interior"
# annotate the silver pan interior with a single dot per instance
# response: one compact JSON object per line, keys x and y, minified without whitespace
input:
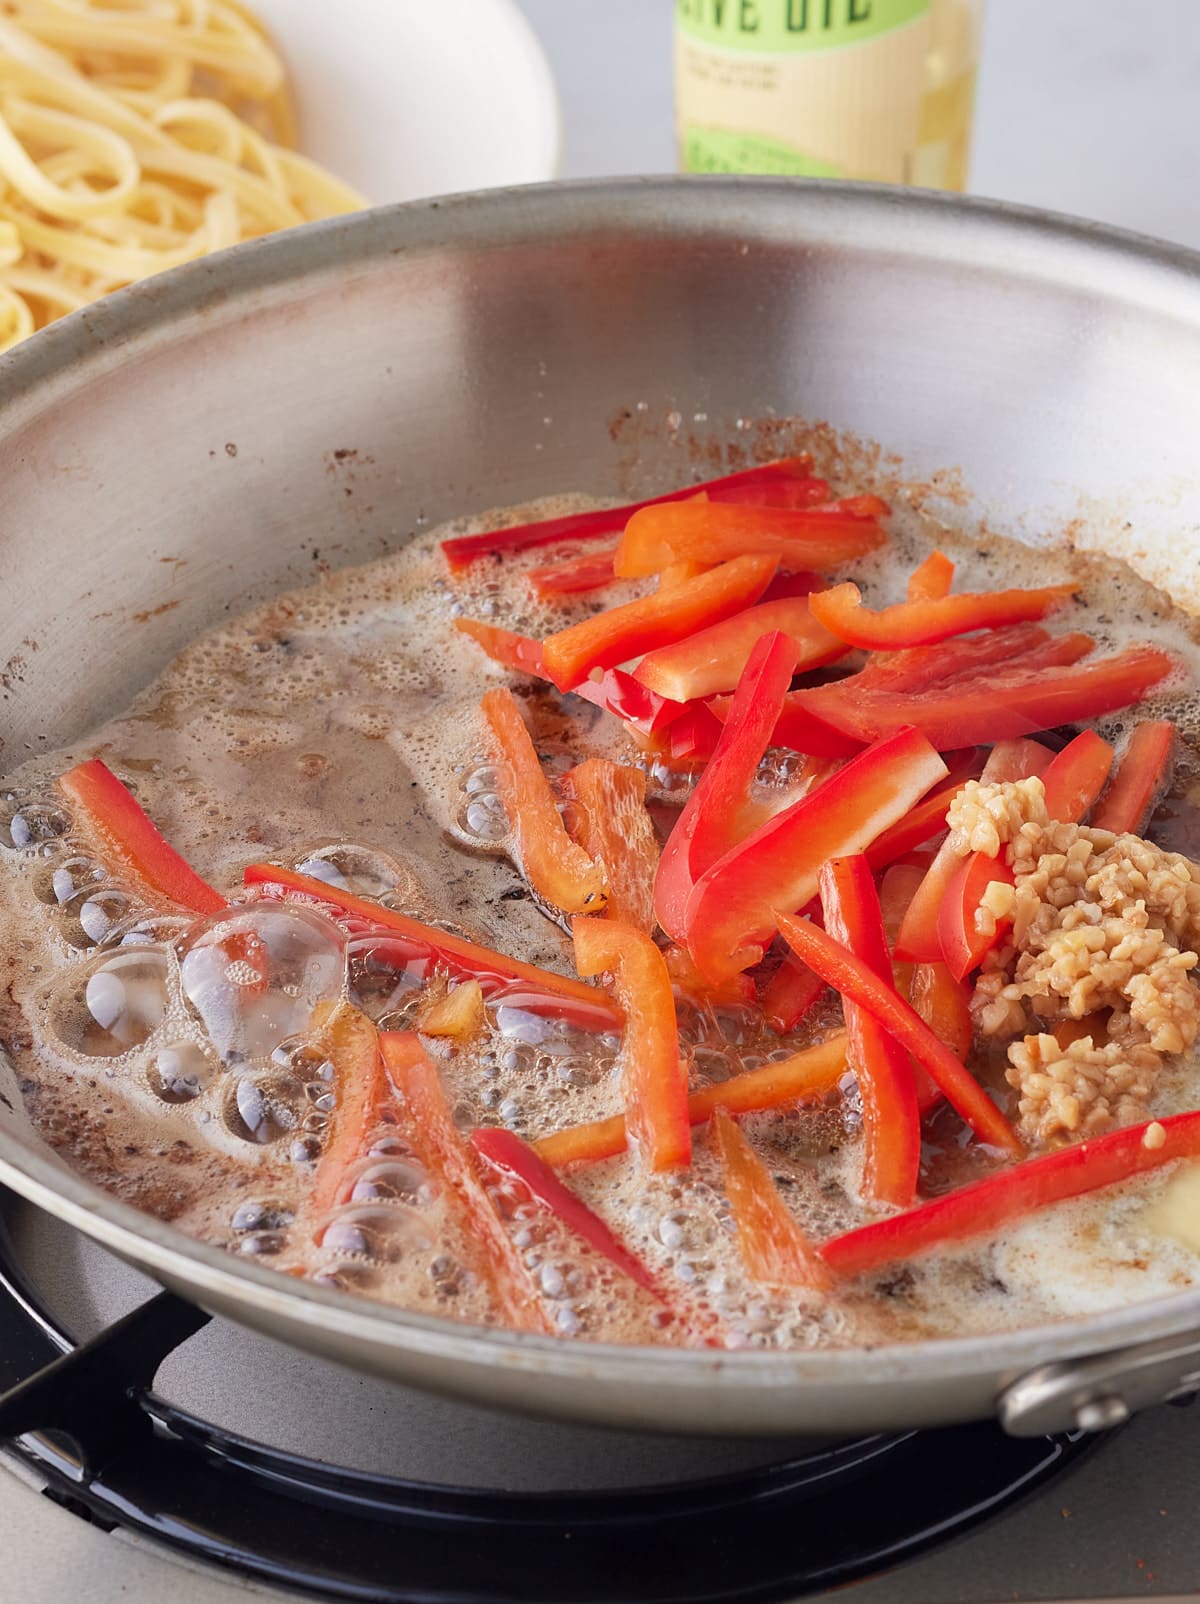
{"x":192,"y":444}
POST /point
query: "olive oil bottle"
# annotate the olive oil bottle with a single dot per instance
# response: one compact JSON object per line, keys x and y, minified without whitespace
{"x":864,"y":89}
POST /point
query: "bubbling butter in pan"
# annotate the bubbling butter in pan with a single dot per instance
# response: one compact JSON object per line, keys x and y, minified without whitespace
{"x":337,"y":730}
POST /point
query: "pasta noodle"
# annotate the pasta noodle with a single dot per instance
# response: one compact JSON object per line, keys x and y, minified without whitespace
{"x":136,"y":135}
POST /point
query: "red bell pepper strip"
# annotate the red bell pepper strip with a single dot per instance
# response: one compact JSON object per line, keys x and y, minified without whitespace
{"x":1076,"y":776}
{"x":557,"y":868}
{"x":614,"y":829}
{"x":125,"y":840}
{"x":494,"y":1255}
{"x":739,"y":991}
{"x":689,"y":741}
{"x":613,"y":690}
{"x":781,"y":491}
{"x":596,"y":523}
{"x":520,"y":652}
{"x":1143,"y":773}
{"x":790,"y":993}
{"x":788,"y":584}
{"x":676,"y":574}
{"x":919,"y":824}
{"x":932,"y":580}
{"x":854,"y":979}
{"x":613,"y":637}
{"x":509,"y":1155}
{"x":711,"y":820}
{"x":809,"y":1074}
{"x":773,"y":1247}
{"x":730,"y":913}
{"x":963,"y":944}
{"x":712,"y":660}
{"x":617,"y":692}
{"x":712,"y":532}
{"x":891,"y":1123}
{"x":431,"y":945}
{"x":997,"y":1200}
{"x":942,"y":1002}
{"x":653,"y":1079}
{"x":925,"y":622}
{"x":919,"y":939}
{"x":362,"y":1091}
{"x":1010,"y":702}
{"x":573,"y":576}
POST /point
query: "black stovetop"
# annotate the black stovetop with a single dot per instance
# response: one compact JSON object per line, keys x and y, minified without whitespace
{"x":117,"y":1454}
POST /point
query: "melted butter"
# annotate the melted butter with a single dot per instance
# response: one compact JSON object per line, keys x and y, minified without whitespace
{"x":339,"y":726}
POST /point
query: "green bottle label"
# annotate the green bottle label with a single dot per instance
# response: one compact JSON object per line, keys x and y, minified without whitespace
{"x":716,"y":150}
{"x":771,"y":27}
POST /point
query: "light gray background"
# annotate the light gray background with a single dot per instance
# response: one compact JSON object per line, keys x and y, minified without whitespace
{"x":1085,"y":106}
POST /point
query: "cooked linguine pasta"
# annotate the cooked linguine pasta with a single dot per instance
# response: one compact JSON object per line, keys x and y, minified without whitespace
{"x":136,"y":135}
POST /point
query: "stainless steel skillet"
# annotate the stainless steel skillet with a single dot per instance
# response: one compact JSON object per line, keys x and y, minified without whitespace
{"x":209,"y":437}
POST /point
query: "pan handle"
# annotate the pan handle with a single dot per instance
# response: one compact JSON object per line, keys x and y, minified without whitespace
{"x":1096,"y":1393}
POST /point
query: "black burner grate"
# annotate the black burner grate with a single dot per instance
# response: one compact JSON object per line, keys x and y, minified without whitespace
{"x":86,"y":1421}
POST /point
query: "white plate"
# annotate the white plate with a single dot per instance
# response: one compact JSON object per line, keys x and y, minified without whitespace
{"x":404,"y":98}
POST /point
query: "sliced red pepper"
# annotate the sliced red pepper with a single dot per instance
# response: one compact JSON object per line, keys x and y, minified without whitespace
{"x":997,"y":1200}
{"x":601,"y":521}
{"x":690,"y":740}
{"x":711,"y":820}
{"x":427,"y":943}
{"x":557,"y":868}
{"x":613,"y":828}
{"x":1143,"y":773}
{"x":919,"y":940}
{"x":964,"y":660}
{"x":781,"y":491}
{"x":942,"y":1002}
{"x":573,"y":576}
{"x":790,"y":993}
{"x":509,"y":1155}
{"x":653,"y":1080}
{"x":495,"y":1256}
{"x":1011,"y":702}
{"x":1076,"y":776}
{"x":933,"y":619}
{"x":921,"y":822}
{"x":963,"y":944}
{"x":362,"y":1092}
{"x":713,"y":532}
{"x":712,"y":660}
{"x":737,"y":992}
{"x":123,"y":837}
{"x":520,"y":652}
{"x":788,"y":584}
{"x":617,"y":692}
{"x":891,"y":1123}
{"x":613,"y":637}
{"x":773,"y":1247}
{"x":613,"y":690}
{"x":932,"y":580}
{"x":849,"y":975}
{"x":809,"y":1074}
{"x":730,"y":913}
